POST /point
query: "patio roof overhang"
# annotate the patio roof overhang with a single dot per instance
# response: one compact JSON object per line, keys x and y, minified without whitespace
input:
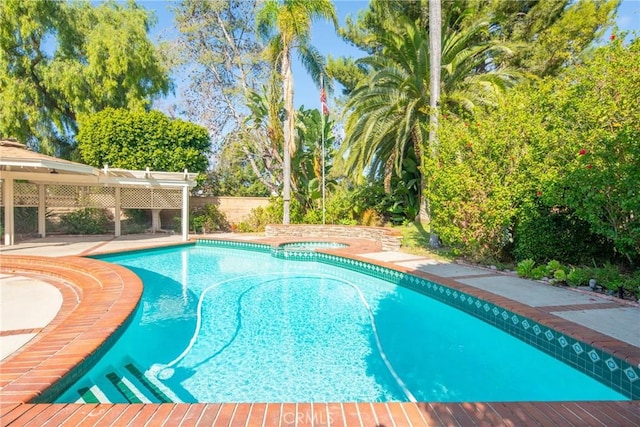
{"x":19,"y":163}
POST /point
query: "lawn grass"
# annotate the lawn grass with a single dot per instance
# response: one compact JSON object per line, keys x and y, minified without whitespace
{"x":415,"y":240}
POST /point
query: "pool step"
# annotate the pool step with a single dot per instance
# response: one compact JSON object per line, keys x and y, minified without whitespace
{"x":92,"y":394}
{"x":150,"y":386}
{"x":126,"y":384}
{"x":127,"y":388}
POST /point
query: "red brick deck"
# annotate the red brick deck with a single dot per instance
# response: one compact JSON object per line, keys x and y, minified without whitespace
{"x":108,"y":294}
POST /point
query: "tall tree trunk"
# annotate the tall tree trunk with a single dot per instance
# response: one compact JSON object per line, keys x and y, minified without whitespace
{"x":435,"y":58}
{"x":289,"y":129}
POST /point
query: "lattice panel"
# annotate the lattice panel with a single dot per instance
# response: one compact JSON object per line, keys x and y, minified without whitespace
{"x":136,"y":198}
{"x":25,"y":194}
{"x":167,"y":199}
{"x":62,"y":196}
{"x":150,"y":198}
{"x":100,"y":197}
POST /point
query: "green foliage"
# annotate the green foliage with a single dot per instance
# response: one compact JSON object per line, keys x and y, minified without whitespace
{"x":406,"y":192}
{"x":475,"y":184}
{"x":539,"y":272}
{"x":544,"y":232}
{"x":233,"y":174}
{"x":137,"y":140}
{"x":348,"y":206}
{"x":560,"y":276}
{"x":25,"y":220}
{"x":550,"y":35}
{"x":601,"y":176}
{"x":525,"y":268}
{"x":260,"y":217}
{"x":553,"y":266}
{"x":308,"y":159}
{"x":62,"y":59}
{"x":565,"y":147}
{"x":208,"y":219}
{"x":631,"y":285}
{"x":579,"y":276}
{"x":286,"y":26}
{"x":87,"y":221}
{"x":608,"y":276}
{"x":544,"y":36}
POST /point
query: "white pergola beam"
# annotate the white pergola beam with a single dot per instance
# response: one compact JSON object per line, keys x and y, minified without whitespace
{"x":185,"y":214}
{"x":7,"y":196}
{"x":42,"y":219}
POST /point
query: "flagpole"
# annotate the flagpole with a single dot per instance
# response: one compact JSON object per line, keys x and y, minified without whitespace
{"x":322,"y":141}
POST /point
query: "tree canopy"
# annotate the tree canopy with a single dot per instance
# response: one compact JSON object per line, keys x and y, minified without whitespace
{"x":62,"y":59}
{"x":543,"y":35}
{"x":218,"y":50}
{"x":136,"y":140}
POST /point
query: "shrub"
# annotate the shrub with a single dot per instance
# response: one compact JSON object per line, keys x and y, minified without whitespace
{"x":553,"y":266}
{"x":259,"y":217}
{"x":525,"y":268}
{"x":560,"y":276}
{"x":539,"y":272}
{"x":313,"y":216}
{"x":137,"y":221}
{"x":370,"y":217}
{"x":25,"y":220}
{"x":86,"y":221}
{"x":579,"y":276}
{"x":543,"y":233}
{"x":608,"y":277}
{"x":631,"y":284}
{"x":208,"y":219}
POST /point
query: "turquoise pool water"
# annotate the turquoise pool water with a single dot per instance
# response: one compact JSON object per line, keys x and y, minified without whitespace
{"x":226,"y":325}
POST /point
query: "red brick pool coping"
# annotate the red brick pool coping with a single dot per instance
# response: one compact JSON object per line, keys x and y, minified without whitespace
{"x":99,"y":297}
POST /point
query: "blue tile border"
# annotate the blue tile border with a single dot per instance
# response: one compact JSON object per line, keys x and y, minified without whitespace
{"x":250,"y":246}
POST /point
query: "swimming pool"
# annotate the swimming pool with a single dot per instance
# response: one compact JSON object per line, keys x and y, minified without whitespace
{"x":227,"y":325}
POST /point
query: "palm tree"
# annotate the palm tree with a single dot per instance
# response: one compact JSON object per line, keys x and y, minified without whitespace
{"x":286,"y":24}
{"x":389,"y":113}
{"x":435,"y":57}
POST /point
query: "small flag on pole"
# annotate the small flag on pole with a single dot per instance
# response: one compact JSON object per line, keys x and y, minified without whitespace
{"x":323,"y":101}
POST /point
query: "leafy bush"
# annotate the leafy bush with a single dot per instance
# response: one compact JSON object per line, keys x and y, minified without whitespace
{"x":87,"y":221}
{"x":527,"y":154}
{"x":543,"y":233}
{"x":259,"y":217}
{"x":601,"y":178}
{"x":579,"y":276}
{"x":371,"y":217}
{"x":313,"y":216}
{"x":25,"y":220}
{"x":207,"y":219}
{"x":539,"y":272}
{"x":137,"y":221}
{"x":525,"y":268}
{"x":560,"y":276}
{"x":128,"y":139}
{"x":631,"y":284}
{"x":608,"y":276}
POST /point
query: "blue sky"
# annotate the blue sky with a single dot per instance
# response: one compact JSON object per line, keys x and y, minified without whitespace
{"x":325,"y":39}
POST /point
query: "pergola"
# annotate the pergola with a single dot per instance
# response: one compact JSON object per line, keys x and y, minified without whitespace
{"x":32,"y":179}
